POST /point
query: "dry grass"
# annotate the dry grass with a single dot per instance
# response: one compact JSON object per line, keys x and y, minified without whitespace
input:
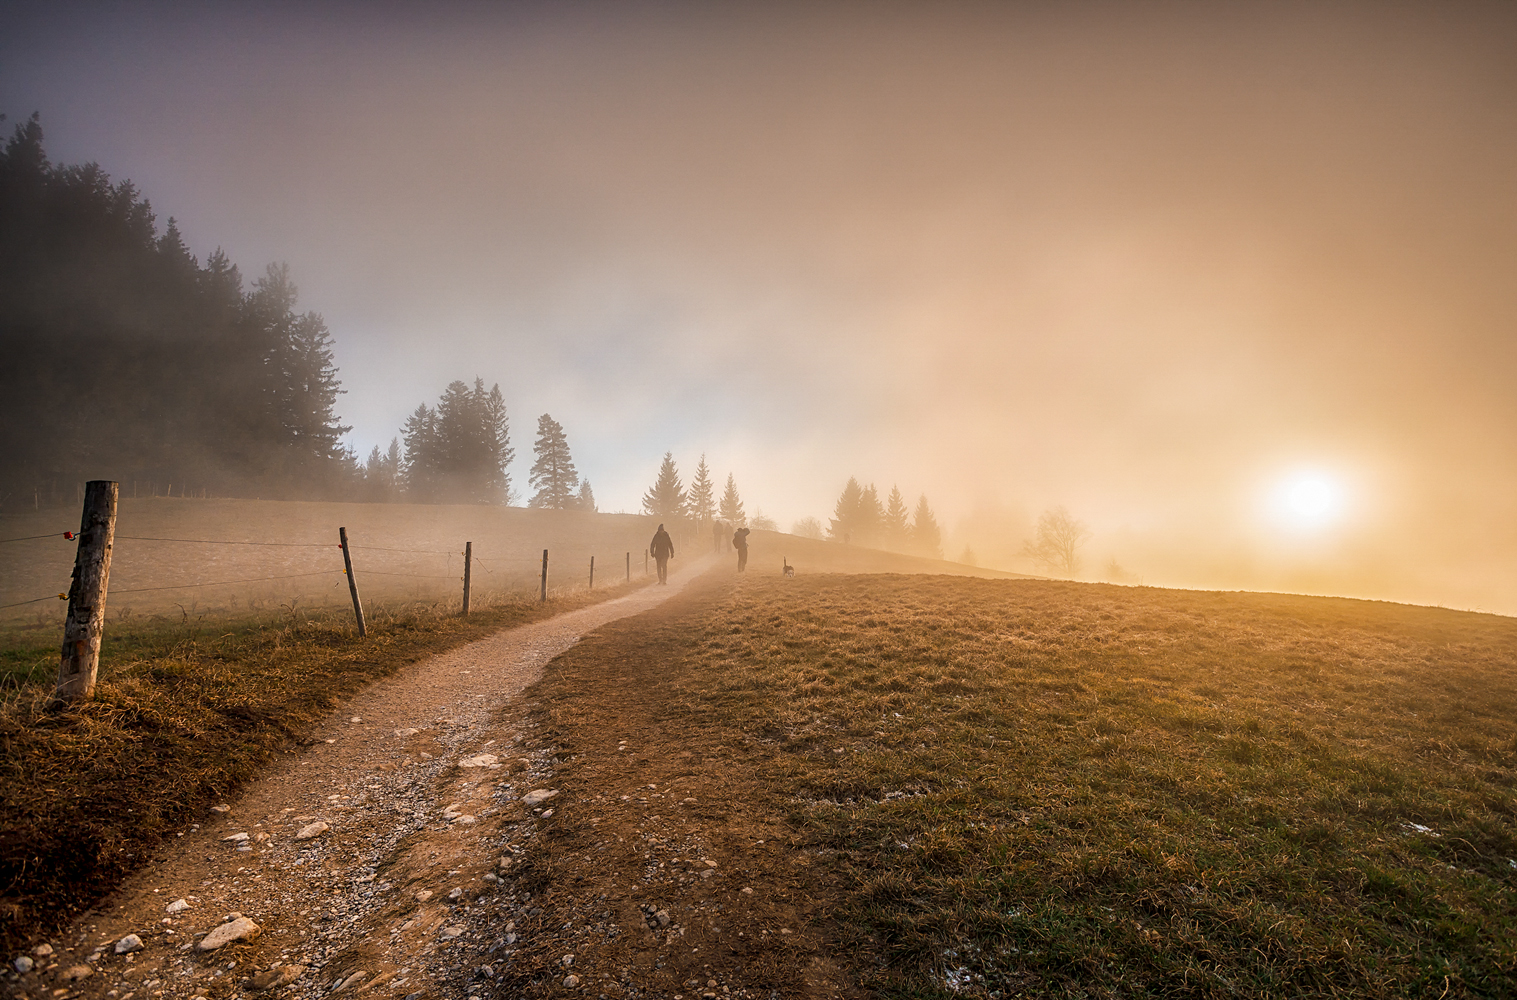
{"x":1031,"y":787}
{"x":187,"y":709}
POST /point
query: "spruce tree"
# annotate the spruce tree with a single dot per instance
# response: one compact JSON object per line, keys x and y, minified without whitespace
{"x":844,"y":524}
{"x":586,"y":499}
{"x":701,"y":501}
{"x":666,"y":498}
{"x":871,"y":517}
{"x":896,"y":531}
{"x":553,"y":475}
{"x":732,"y":505}
{"x":419,"y":470}
{"x":926,"y":536}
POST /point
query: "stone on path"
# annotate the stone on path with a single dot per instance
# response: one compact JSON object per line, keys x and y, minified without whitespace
{"x":314,"y":830}
{"x":75,"y":973}
{"x":537,"y":796}
{"x":24,"y":964}
{"x":177,"y":906}
{"x":237,"y":838}
{"x":240,"y":929}
{"x":404,"y":733}
{"x":42,"y":950}
{"x":279,"y":975}
{"x":488,"y":760}
{"x":129,"y":943}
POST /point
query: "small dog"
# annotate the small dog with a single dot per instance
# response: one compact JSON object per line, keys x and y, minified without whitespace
{"x":789,"y":569}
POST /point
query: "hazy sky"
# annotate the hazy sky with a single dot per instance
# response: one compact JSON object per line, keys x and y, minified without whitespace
{"x":1157,"y":262}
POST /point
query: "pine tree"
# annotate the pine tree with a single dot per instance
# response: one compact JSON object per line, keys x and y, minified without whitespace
{"x":586,"y":499}
{"x":666,"y":498}
{"x":896,"y":531}
{"x":732,"y":505}
{"x":926,"y":536}
{"x":702,"y":498}
{"x":553,"y":475}
{"x":871,"y":517}
{"x":419,"y":470}
{"x":844,"y":524}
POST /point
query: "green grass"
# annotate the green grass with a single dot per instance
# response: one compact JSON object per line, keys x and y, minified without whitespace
{"x":186,"y":710}
{"x":1031,"y":787}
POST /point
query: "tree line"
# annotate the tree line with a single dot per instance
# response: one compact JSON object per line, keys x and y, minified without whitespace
{"x":861,"y":518}
{"x":125,"y":357}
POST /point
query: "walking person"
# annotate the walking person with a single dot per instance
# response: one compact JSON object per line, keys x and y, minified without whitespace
{"x":662,"y":550}
{"x":740,"y":542}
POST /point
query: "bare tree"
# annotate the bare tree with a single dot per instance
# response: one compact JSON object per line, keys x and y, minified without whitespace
{"x":1056,"y":545}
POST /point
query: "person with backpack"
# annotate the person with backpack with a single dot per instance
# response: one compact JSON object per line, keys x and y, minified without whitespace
{"x":662,"y":550}
{"x":740,"y":542}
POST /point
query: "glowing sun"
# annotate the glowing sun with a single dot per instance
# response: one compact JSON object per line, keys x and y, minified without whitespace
{"x":1309,"y":500}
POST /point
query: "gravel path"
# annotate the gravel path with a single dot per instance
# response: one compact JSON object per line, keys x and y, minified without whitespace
{"x":379,"y":861}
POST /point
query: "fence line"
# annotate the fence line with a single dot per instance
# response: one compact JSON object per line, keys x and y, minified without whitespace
{"x":65,"y":535}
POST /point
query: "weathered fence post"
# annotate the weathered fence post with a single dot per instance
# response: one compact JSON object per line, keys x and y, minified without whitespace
{"x":629,"y":567}
{"x":468,"y":558}
{"x":592,"y":572}
{"x":544,"y":595}
{"x":85,"y":625}
{"x":347,"y":565}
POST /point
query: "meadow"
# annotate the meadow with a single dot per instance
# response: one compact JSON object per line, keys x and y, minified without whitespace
{"x":1033,"y":788}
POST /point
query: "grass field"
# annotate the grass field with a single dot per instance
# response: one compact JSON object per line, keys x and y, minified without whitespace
{"x":1025,"y":788}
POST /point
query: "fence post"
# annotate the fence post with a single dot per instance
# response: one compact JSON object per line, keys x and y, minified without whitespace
{"x":629,"y":567}
{"x":592,"y":572}
{"x":544,"y":595}
{"x":347,"y":565}
{"x":85,"y":625}
{"x":645,"y":562}
{"x":468,"y":558}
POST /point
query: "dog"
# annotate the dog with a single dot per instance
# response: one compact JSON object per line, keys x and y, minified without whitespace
{"x":789,"y":569}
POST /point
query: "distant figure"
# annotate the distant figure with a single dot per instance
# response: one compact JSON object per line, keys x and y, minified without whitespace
{"x":740,"y":542}
{"x":718,"y":529}
{"x":789,"y":569}
{"x":662,"y":551}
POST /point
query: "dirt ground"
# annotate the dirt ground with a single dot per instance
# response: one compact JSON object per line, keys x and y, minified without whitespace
{"x":465,"y":853}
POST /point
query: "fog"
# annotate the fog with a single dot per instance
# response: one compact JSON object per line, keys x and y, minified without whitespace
{"x":1159,"y":263}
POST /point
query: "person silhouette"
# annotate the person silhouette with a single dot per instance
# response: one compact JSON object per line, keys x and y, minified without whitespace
{"x":740,"y":542}
{"x":662,"y":550}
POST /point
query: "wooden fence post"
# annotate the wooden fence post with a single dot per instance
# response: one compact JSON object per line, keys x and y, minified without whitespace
{"x":85,"y":625}
{"x":468,"y":558}
{"x":629,"y":567}
{"x":347,"y":564}
{"x":544,"y":595}
{"x":592,"y":572}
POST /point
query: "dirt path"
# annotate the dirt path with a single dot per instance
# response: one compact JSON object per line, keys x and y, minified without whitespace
{"x":378,"y":861}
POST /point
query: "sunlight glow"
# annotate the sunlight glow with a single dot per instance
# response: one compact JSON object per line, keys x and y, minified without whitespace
{"x":1309,"y":501}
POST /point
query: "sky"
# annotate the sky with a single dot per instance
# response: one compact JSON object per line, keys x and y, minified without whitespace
{"x":1232,"y":283}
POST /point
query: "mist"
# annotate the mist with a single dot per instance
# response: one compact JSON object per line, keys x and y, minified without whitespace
{"x":1159,"y":264}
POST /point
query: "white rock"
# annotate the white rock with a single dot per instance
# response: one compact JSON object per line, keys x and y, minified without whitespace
{"x":23,"y":964}
{"x":480,"y":760}
{"x":177,"y":906}
{"x":356,"y":718}
{"x":537,"y":796}
{"x":352,"y":980}
{"x":423,"y":895}
{"x":74,"y":973}
{"x":314,"y":830}
{"x":221,"y":807}
{"x":237,"y":838}
{"x":405,"y":733}
{"x":571,"y":981}
{"x":129,"y":943}
{"x":42,"y":950}
{"x":452,"y":932}
{"x":457,"y":893}
{"x":241,"y":929}
{"x":566,"y":961}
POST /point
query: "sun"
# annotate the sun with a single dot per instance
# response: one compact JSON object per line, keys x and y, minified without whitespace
{"x":1309,"y":500}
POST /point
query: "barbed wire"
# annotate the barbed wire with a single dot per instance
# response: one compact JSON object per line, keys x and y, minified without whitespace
{"x":223,"y":541}
{"x":37,"y":600}
{"x":220,"y":583}
{"x":66,"y":535}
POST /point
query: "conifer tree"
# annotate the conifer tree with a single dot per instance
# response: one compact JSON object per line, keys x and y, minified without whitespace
{"x":732,"y":504}
{"x":553,"y":475}
{"x":419,"y":470}
{"x":666,"y":498}
{"x":896,"y":530}
{"x":871,"y":517}
{"x":586,"y":498}
{"x":926,"y":536}
{"x":701,"y":501}
{"x":843,"y":526}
